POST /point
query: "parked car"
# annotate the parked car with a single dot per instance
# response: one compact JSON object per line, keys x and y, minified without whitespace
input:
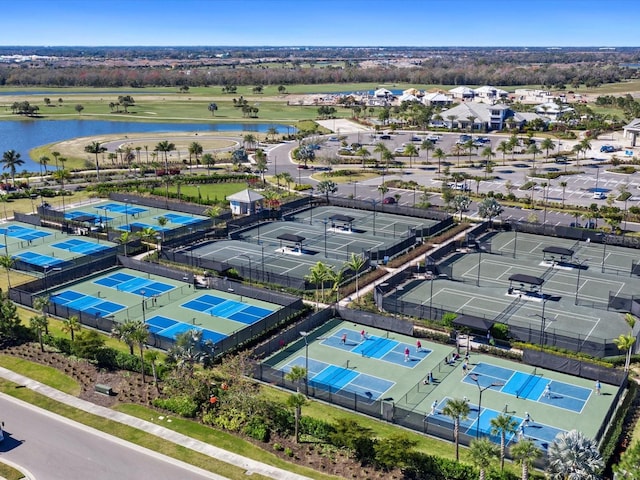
{"x":415,"y":138}
{"x":599,"y":195}
{"x":389,"y":200}
{"x":434,"y":138}
{"x":399,"y":150}
{"x":463,"y":139}
{"x":608,"y":149}
{"x":334,"y":139}
{"x":385,"y":137}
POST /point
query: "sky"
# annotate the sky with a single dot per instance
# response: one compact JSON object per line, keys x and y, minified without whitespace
{"x":419,"y":23}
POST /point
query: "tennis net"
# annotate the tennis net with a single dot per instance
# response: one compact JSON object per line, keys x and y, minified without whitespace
{"x":528,"y":384}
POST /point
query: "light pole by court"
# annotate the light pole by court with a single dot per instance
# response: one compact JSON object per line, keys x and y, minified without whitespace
{"x":142,"y":292}
{"x":304,"y":335}
{"x":126,"y":213}
{"x":578,"y":280}
{"x":480,"y":249}
{"x":374,"y":202}
{"x":431,"y":295}
{"x":605,"y":237}
{"x":248,"y":258}
{"x":311,"y":206}
{"x":46,"y":269}
{"x":481,"y":390}
{"x":325,"y":221}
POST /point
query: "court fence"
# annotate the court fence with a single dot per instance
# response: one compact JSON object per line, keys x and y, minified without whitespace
{"x":161,"y":203}
{"x":33,"y":219}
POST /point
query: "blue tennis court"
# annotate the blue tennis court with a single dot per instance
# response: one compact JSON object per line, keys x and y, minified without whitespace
{"x":540,"y":433}
{"x":333,"y":378}
{"x":170,"y":328}
{"x":230,"y":309}
{"x":86,"y":303}
{"x":379,"y":348}
{"x":23,"y":233}
{"x":39,"y":259}
{"x":80,"y":246}
{"x":122,"y":208}
{"x":181,"y":219}
{"x":532,"y":386}
{"x":124,"y":282}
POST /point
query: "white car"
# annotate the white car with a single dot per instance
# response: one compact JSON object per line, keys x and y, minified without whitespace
{"x":599,"y":195}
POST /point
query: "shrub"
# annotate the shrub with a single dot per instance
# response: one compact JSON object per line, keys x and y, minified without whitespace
{"x":500,"y":331}
{"x":448,"y":318}
{"x":288,"y":452}
{"x":257,"y":429}
{"x":316,"y":428}
{"x":277,"y":447}
{"x":182,"y":405}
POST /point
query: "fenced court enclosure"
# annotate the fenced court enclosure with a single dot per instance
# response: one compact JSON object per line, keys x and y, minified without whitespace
{"x":561,"y":292}
{"x":169,"y":307}
{"x":39,"y":249}
{"x":373,"y":373}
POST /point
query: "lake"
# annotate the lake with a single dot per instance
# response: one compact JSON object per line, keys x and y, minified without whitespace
{"x":22,"y":136}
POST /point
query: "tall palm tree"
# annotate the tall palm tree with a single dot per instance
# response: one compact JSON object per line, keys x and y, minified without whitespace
{"x":547,"y":144}
{"x":11,"y":160}
{"x":625,"y":344}
{"x":39,"y":325}
{"x":440,"y":155}
{"x":388,"y":157}
{"x":194,"y":149}
{"x":457,"y":151}
{"x":249,"y":141}
{"x":288,"y":179}
{"x":297,"y":401}
{"x":482,"y":453}
{"x":458,"y":410}
{"x":165,"y":147}
{"x":41,"y":303}
{"x":124,"y":239}
{"x":123,"y":331}
{"x":427,"y":146}
{"x":503,"y":425}
{"x":564,"y":188}
{"x":43,"y":161}
{"x":411,"y":151}
{"x":296,"y":375}
{"x":577,"y":149}
{"x":383,"y":189}
{"x":364,"y":154}
{"x":572,"y":455}
{"x":380,"y":148}
{"x":152,"y":356}
{"x":503,"y":147}
{"x":55,"y":157}
{"x":525,"y":453}
{"x":534,"y":150}
{"x":7,"y":262}
{"x":139,"y":335}
{"x":209,"y":160}
{"x":71,"y":325}
{"x":355,"y":264}
{"x":96,"y":148}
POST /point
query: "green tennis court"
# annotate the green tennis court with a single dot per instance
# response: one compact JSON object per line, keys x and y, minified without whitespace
{"x":336,"y":365}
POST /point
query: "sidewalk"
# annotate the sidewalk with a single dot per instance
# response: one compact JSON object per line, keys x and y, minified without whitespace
{"x":250,"y":466}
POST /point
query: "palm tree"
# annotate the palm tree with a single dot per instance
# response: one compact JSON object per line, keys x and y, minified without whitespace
{"x":512,"y":143}
{"x":152,"y":356}
{"x":625,"y":344}
{"x":440,"y":155}
{"x":388,"y":157}
{"x":482,"y":453}
{"x":383,"y":189}
{"x":165,"y":146}
{"x":55,"y":157}
{"x":139,"y":334}
{"x":123,"y":331}
{"x":39,"y":324}
{"x":296,"y":375}
{"x":411,"y":151}
{"x":364,"y":154}
{"x":124,"y":239}
{"x":533,"y":149}
{"x":288,"y":179}
{"x":380,"y":148}
{"x":488,"y":154}
{"x":297,"y":401}
{"x":524,"y":453}
{"x":503,"y":147}
{"x":316,"y":278}
{"x":503,"y":425}
{"x":457,"y":151}
{"x":572,"y":455}
{"x":458,"y":410}
{"x":249,"y":141}
{"x":261,"y":162}
{"x":427,"y":146}
{"x":7,"y":262}
{"x":564,"y":187}
{"x":96,"y":148}
{"x":71,"y":325}
{"x":212,"y":108}
{"x":337,"y":277}
{"x":585,"y":144}
{"x":577,"y":149}
{"x":547,"y":144}
{"x":355,"y":264}
{"x":12,"y":161}
{"x":194,"y":149}
{"x":43,"y":161}
{"x":41,"y":303}
{"x":148,"y":235}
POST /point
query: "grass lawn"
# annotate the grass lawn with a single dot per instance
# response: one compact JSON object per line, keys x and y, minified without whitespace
{"x":9,"y":473}
{"x":209,"y":191}
{"x":357,"y":176}
{"x":41,"y":373}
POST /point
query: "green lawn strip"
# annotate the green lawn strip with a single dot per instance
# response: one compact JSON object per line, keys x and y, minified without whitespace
{"x":9,"y":473}
{"x":127,"y":433}
{"x":41,"y":373}
{"x":224,"y":440}
{"x":209,"y":191}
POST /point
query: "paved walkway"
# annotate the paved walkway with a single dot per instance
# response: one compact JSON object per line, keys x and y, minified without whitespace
{"x":250,"y":466}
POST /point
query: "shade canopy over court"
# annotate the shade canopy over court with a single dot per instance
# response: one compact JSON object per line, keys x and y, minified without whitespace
{"x":526,"y":279}
{"x":564,"y":253}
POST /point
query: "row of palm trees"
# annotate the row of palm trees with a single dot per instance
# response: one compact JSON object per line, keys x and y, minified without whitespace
{"x":570,"y":455}
{"x":322,"y":273}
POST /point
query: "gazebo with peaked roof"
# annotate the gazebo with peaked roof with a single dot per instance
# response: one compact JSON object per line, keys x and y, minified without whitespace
{"x":245,"y":202}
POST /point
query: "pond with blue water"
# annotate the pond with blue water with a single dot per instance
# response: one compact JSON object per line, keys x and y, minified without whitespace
{"x":22,"y":136}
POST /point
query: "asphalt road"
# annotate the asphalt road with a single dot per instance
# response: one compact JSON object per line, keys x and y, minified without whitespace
{"x":51,"y":447}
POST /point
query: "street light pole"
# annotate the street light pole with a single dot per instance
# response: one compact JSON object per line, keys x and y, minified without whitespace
{"x":142,"y":292}
{"x":325,"y":221}
{"x":311,"y":206}
{"x":304,"y":335}
{"x":481,"y":390}
{"x":604,"y":251}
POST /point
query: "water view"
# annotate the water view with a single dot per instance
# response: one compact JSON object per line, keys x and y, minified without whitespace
{"x":22,"y":136}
